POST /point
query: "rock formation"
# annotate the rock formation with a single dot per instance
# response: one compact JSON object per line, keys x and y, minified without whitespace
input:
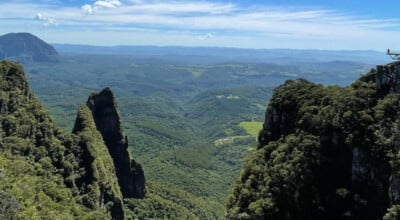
{"x":44,"y":172}
{"x":100,"y":172}
{"x":325,"y":153}
{"x":130,"y":174}
{"x":387,"y":76}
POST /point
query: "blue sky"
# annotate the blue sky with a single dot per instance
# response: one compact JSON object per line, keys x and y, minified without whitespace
{"x":307,"y":24}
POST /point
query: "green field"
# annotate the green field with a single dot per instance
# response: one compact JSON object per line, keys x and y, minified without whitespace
{"x":251,"y":127}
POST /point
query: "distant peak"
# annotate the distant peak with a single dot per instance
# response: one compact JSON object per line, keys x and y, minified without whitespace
{"x":26,"y":48}
{"x":20,"y":34}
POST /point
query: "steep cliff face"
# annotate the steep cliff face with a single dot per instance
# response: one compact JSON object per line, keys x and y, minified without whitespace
{"x":100,"y":180}
{"x":44,"y":172}
{"x":324,"y":153}
{"x":387,"y":77}
{"x":25,"y":47}
{"x":130,"y":174}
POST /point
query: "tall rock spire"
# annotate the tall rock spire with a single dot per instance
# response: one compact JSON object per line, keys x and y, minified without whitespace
{"x":130,"y":174}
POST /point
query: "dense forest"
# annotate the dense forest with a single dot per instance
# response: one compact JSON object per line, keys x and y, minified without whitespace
{"x":324,"y":153}
{"x":49,"y":174}
{"x":189,"y":123}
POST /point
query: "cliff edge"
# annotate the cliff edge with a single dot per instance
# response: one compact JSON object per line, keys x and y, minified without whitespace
{"x":105,"y":114}
{"x":324,"y":153}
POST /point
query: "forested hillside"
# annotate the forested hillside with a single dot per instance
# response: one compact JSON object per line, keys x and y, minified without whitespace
{"x":75,"y":176}
{"x":324,"y":153}
{"x":46,"y":173}
{"x":189,"y":123}
{"x":199,"y":110}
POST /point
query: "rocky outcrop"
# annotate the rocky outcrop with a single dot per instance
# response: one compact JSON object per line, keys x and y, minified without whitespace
{"x":130,"y":174}
{"x":100,"y":172}
{"x":387,"y":77}
{"x":45,"y":172}
{"x":25,"y":47}
{"x":325,"y":153}
{"x":84,"y":175}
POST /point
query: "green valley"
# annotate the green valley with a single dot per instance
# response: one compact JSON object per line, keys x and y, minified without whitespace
{"x":189,"y":131}
{"x":199,"y":110}
{"x":189,"y":124}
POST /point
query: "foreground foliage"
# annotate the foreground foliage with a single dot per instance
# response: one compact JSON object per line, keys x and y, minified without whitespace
{"x":324,"y":153}
{"x":45,"y":173}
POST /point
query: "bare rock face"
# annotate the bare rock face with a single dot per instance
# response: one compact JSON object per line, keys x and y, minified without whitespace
{"x":100,"y":172}
{"x":387,"y":77}
{"x":130,"y":174}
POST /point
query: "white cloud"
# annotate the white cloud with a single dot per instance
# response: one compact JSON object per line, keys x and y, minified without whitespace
{"x":234,"y":24}
{"x":172,"y":7}
{"x":46,"y":20}
{"x":206,"y":36}
{"x":101,"y":4}
{"x":107,"y":4}
{"x":39,"y":16}
{"x":87,"y":9}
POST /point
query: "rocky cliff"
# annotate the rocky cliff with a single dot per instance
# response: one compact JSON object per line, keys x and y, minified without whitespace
{"x":100,"y":180}
{"x":324,"y":153}
{"x":130,"y":174}
{"x":46,"y":173}
{"x":25,"y":47}
{"x":387,"y":77}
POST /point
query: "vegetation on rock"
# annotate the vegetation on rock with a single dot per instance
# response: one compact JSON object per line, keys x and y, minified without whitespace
{"x":324,"y":153}
{"x":46,"y":173}
{"x":40,"y":165}
{"x":130,"y":174}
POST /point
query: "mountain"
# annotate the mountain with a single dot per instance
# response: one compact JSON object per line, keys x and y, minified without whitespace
{"x":325,"y":153}
{"x":215,"y":55}
{"x":46,"y":173}
{"x":25,"y":47}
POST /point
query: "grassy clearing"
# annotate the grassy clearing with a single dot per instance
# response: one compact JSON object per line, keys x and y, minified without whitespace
{"x":251,"y":127}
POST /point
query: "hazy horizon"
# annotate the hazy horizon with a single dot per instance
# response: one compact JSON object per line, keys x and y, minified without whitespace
{"x":214,"y":47}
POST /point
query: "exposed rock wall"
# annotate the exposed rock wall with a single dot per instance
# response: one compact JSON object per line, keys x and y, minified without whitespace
{"x":130,"y":174}
{"x":387,"y":77}
{"x":47,"y":173}
{"x":100,"y":172}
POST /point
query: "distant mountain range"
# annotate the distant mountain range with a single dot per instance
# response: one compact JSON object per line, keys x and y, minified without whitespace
{"x":210,"y":55}
{"x":25,"y":48}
